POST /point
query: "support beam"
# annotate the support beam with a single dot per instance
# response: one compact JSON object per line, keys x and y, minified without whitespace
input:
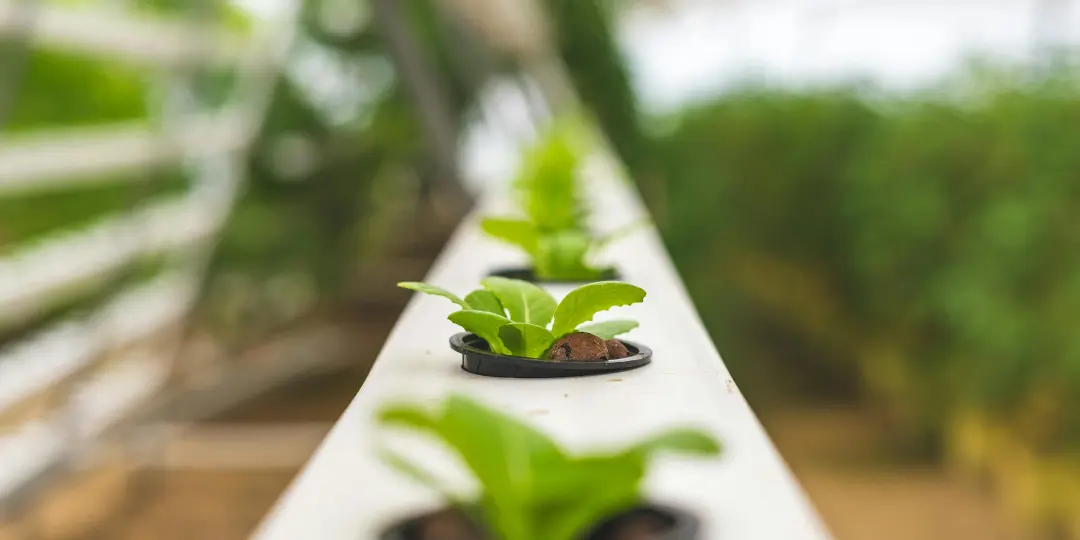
{"x":119,"y":34}
{"x":59,"y":352}
{"x":34,"y":279}
{"x":58,"y":159}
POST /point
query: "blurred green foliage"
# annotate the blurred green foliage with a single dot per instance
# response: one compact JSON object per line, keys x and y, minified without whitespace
{"x":370,"y":170}
{"x":64,"y":89}
{"x":67,"y":90}
{"x":924,"y":247}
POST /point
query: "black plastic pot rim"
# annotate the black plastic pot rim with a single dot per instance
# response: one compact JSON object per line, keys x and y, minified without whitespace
{"x":481,"y":361}
{"x":528,"y":273}
{"x":684,"y":525}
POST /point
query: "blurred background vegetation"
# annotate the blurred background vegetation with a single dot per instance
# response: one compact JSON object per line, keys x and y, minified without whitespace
{"x":919,"y":251}
{"x":915,"y":253}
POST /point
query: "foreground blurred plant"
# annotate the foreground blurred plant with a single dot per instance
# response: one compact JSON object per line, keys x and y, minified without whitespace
{"x":531,"y":489}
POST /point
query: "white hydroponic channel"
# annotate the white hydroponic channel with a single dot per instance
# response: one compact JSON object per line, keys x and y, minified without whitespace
{"x":346,"y":492}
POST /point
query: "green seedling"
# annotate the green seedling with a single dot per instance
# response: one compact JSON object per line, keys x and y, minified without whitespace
{"x":553,"y":231}
{"x":530,"y":488}
{"x":555,"y":255}
{"x":514,"y":316}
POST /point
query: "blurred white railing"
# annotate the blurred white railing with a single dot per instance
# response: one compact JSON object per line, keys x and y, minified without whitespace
{"x":59,"y":352}
{"x":72,"y":157}
{"x":211,"y":146}
{"x":118,"y":33}
{"x":28,"y":452}
{"x":32,"y":280}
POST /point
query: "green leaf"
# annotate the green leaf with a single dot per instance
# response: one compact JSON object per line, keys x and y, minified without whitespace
{"x":563,"y":256}
{"x":435,"y":291}
{"x":485,"y":300}
{"x":568,"y":518}
{"x":584,"y":302}
{"x":408,"y":415}
{"x":524,"y":302}
{"x":548,"y":181}
{"x":531,"y":490}
{"x":525,"y":339}
{"x":484,"y":324}
{"x":579,"y":474}
{"x":518,"y":232}
{"x":608,"y":329}
{"x":683,"y":441}
{"x":506,"y":456}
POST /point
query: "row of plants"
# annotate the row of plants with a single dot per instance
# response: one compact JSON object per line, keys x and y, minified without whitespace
{"x":530,"y":488}
{"x":921,"y":250}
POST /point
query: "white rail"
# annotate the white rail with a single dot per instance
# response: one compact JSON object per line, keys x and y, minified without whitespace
{"x":31,"y":366}
{"x":121,"y":34}
{"x":347,"y":492}
{"x":34,"y":279}
{"x":75,"y":156}
{"x":106,"y":399}
{"x":28,"y":452}
{"x":211,"y":146}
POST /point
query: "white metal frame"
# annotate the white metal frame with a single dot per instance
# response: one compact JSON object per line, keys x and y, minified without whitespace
{"x":210,"y":145}
{"x":120,"y":34}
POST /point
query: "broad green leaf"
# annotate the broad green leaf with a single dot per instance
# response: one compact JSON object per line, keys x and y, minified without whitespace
{"x":506,"y":456}
{"x":518,"y":232}
{"x":500,"y":450}
{"x":608,"y":329}
{"x":548,"y":182}
{"x":531,"y":490}
{"x":524,"y":302}
{"x":408,"y":416}
{"x":485,"y":300}
{"x":525,"y":339}
{"x":484,"y":324}
{"x":578,"y":474}
{"x":433,"y":290}
{"x":683,"y":441}
{"x":586,"y":301}
{"x":567,"y":518}
{"x":563,"y":256}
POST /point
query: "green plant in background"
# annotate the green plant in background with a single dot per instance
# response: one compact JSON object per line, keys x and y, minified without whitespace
{"x":922,"y":246}
{"x":554,"y":232}
{"x":531,"y":489}
{"x":513,"y":315}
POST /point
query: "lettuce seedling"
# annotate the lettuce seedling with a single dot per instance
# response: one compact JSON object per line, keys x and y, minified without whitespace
{"x":553,"y":231}
{"x":530,"y":488}
{"x":513,"y":316}
{"x":555,"y":255}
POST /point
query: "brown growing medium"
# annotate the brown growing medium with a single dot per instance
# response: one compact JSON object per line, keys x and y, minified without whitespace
{"x":579,"y":347}
{"x":616,"y":349}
